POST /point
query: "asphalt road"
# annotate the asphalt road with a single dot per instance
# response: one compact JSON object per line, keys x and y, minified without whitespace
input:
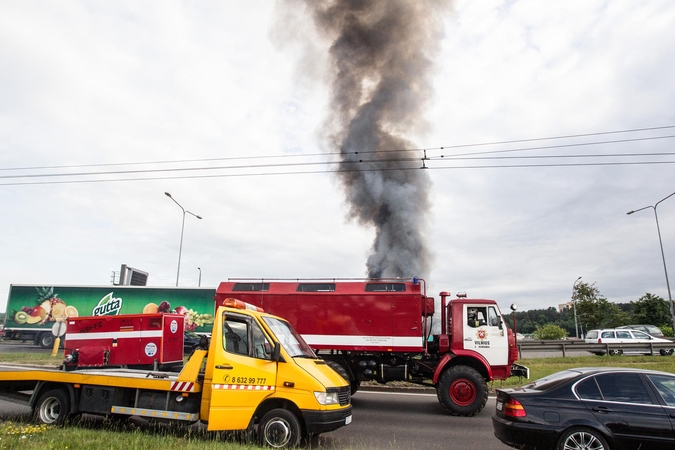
{"x":390,"y":420}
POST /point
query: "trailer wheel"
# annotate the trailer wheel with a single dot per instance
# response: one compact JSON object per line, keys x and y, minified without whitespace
{"x":52,"y":408}
{"x":279,"y":428}
{"x":462,"y":391}
{"x":46,"y":340}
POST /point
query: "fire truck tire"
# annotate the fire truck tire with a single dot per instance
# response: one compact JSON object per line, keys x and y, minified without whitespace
{"x":462,"y":391}
{"x":52,"y":408}
{"x":342,"y":371}
{"x":46,"y":340}
{"x":279,"y":428}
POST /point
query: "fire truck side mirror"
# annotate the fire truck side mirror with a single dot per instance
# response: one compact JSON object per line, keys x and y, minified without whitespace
{"x":276,"y":352}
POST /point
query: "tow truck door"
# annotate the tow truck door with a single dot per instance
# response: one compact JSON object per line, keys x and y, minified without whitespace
{"x":244,"y":373}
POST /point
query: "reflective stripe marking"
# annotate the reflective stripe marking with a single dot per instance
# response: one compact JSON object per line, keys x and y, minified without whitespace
{"x":113,"y":334}
{"x":243,"y":387}
{"x":182,"y":386}
{"x":366,"y":341}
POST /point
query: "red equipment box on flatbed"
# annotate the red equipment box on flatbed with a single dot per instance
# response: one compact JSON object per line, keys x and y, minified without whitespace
{"x":130,"y":339}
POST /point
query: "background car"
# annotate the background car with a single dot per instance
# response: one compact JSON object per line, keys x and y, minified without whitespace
{"x":624,"y":336}
{"x":652,"y":330}
{"x":190,"y":341}
{"x":589,"y":408}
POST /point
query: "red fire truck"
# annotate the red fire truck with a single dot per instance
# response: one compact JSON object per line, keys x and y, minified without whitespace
{"x":382,"y":330}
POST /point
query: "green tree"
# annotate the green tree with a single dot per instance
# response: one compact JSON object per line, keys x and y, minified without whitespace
{"x":594,"y":310}
{"x":550,"y":331}
{"x":651,"y":309}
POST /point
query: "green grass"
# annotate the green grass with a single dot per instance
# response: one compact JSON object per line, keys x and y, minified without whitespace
{"x":541,"y":367}
{"x":81,"y":435}
{"x":32,"y":358}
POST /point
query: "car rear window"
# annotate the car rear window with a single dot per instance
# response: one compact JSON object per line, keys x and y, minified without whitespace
{"x":551,"y":381}
{"x":588,"y":389}
{"x":593,"y":334}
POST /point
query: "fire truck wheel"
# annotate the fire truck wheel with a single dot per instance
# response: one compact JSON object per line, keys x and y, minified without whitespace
{"x":52,"y":408}
{"x":462,"y":391}
{"x":340,"y":369}
{"x":279,"y":428}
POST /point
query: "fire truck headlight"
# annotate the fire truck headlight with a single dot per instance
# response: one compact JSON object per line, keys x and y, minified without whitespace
{"x":327,"y":398}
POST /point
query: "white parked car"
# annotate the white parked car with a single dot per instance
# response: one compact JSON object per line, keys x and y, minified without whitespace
{"x":624,"y":336}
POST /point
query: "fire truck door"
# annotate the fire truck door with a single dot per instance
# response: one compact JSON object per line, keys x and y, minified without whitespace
{"x":485,"y":333}
{"x":244,"y":373}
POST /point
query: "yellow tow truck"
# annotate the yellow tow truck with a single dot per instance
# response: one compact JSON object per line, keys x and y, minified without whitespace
{"x":257,"y":374}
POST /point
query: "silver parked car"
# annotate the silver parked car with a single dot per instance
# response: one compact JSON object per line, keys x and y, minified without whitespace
{"x":624,"y":336}
{"x":649,"y":329}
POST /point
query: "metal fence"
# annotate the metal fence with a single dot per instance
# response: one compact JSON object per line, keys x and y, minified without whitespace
{"x":569,"y":346}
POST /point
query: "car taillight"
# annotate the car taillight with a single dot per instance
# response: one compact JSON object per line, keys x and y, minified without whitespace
{"x":513,"y":408}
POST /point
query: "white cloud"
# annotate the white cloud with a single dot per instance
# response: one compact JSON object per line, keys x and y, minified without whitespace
{"x":84,"y":83}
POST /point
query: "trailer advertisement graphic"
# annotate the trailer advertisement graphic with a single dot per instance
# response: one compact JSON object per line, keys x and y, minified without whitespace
{"x":108,"y":306}
{"x":36,"y":307}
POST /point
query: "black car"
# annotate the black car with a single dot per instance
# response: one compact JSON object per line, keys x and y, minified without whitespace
{"x":191,"y":341}
{"x":589,"y":408}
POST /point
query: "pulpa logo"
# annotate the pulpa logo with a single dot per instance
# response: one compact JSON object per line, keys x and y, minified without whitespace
{"x":108,"y":306}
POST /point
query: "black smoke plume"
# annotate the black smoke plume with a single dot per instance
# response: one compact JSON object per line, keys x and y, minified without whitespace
{"x":381,"y":57}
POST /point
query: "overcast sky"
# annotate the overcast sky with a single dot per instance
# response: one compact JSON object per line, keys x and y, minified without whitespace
{"x":103,"y":86}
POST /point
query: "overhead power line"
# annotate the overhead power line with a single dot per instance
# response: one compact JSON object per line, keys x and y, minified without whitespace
{"x":360,"y":161}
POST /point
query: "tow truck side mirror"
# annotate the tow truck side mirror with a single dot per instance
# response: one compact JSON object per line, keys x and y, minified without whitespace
{"x":276,"y":352}
{"x":204,"y":342}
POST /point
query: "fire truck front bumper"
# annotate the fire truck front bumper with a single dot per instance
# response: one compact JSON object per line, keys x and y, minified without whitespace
{"x":518,"y":370}
{"x":318,"y":422}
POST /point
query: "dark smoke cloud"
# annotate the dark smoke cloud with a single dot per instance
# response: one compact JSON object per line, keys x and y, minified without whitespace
{"x":381,"y":65}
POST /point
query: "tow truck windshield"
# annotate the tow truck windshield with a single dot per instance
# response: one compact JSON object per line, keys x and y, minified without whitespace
{"x":292,"y":342}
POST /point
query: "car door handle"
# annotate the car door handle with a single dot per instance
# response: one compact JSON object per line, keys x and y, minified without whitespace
{"x":225,"y":367}
{"x":602,"y":409}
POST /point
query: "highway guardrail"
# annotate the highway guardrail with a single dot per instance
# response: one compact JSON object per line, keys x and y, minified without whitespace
{"x":573,"y":345}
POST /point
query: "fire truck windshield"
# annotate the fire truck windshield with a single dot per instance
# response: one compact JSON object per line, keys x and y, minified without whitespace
{"x":292,"y":342}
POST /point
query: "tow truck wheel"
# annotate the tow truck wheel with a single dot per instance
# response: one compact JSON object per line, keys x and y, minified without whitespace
{"x":462,"y":391}
{"x":52,"y":408}
{"x":279,"y":428}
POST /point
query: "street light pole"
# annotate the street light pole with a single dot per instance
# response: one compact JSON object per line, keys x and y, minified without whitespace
{"x":200,"y":276}
{"x":663,"y":256}
{"x":182,"y":229}
{"x":574,"y":305}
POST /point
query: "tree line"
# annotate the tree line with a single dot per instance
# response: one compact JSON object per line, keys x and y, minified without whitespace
{"x":592,"y":311}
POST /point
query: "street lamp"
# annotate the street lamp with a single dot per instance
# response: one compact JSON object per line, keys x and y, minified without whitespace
{"x":200,"y":276}
{"x":663,"y":256}
{"x":574,"y":305}
{"x":180,"y":248}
